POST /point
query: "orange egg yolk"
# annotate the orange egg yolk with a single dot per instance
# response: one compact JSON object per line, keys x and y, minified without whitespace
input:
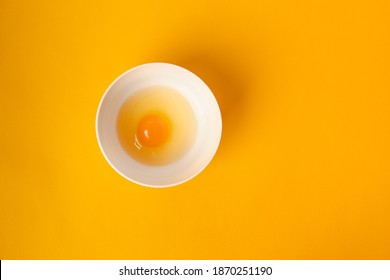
{"x":152,"y":131}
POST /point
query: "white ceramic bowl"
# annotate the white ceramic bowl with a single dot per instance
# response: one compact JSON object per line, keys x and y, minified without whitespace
{"x":200,"y":98}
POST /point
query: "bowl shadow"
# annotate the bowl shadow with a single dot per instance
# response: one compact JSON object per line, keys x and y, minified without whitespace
{"x":226,"y":78}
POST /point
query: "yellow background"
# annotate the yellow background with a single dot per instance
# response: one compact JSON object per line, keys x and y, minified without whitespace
{"x":303,"y":169}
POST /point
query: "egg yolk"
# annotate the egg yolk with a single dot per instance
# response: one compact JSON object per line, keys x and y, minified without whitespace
{"x":152,"y":131}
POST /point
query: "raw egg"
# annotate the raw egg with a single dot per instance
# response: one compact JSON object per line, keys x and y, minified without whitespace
{"x":156,"y":125}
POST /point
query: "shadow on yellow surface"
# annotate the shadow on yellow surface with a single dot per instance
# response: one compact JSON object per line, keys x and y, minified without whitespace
{"x":226,"y":74}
